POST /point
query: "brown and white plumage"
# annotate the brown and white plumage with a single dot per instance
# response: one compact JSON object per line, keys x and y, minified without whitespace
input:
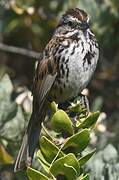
{"x":43,"y":82}
{"x":69,"y":61}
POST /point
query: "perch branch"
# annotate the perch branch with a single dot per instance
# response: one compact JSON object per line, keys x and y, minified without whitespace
{"x":21,"y":51}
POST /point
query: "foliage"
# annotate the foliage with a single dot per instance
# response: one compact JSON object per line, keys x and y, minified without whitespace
{"x":60,"y":150}
{"x":12,"y":123}
{"x":61,"y":153}
{"x":12,"y":119}
{"x":104,"y":165}
{"x":30,"y":24}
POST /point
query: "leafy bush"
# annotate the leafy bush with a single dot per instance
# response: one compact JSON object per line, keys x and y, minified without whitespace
{"x":12,"y":124}
{"x":61,"y":147}
{"x":61,"y":151}
{"x":30,"y":24}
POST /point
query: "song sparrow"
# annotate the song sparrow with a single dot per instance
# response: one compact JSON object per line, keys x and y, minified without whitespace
{"x":69,"y":61}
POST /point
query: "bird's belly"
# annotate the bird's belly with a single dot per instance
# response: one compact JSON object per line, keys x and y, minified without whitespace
{"x":75,"y":73}
{"x":69,"y":87}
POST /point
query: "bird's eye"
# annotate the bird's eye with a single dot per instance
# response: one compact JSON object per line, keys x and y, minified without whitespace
{"x":69,"y":23}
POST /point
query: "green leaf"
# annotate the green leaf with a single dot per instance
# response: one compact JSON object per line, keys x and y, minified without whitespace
{"x":43,"y":162}
{"x":12,"y":119}
{"x":35,"y":175}
{"x":85,"y":177}
{"x":8,"y":108}
{"x":53,"y":107}
{"x":67,"y":166}
{"x":12,"y":129}
{"x":5,"y":158}
{"x":46,"y":132}
{"x":85,"y":158}
{"x":41,"y":157}
{"x":89,"y":121}
{"x":61,"y":122}
{"x":78,"y":142}
{"x":49,"y":149}
{"x":75,"y":108}
{"x":6,"y":84}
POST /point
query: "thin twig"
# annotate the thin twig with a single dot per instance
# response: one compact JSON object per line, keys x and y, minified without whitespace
{"x":21,"y":51}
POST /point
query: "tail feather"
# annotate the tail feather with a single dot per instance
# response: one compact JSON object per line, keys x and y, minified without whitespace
{"x":30,"y":141}
{"x":41,"y":89}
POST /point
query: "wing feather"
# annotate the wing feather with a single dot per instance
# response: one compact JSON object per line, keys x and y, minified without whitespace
{"x":43,"y":81}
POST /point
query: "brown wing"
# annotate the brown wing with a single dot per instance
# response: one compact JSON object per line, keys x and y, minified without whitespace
{"x":44,"y":78}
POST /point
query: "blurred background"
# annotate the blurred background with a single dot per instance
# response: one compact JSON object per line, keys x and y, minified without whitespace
{"x":26,"y":26}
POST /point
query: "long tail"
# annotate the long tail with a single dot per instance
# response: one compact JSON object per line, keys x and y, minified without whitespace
{"x":30,"y":141}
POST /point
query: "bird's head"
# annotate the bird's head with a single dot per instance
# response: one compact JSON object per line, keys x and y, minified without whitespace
{"x":74,"y":19}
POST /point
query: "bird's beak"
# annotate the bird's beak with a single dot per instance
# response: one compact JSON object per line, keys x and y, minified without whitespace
{"x":84,"y":25}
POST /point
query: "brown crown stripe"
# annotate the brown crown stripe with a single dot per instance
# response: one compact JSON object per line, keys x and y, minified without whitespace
{"x":77,"y":13}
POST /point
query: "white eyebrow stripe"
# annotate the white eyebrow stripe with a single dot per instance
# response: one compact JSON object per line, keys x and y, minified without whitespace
{"x":74,"y":19}
{"x":88,"y":19}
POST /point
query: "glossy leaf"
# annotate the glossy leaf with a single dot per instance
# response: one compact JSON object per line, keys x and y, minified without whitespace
{"x":49,"y":149}
{"x":78,"y":142}
{"x":89,"y":121}
{"x":46,"y":132}
{"x":67,"y":166}
{"x":35,"y":175}
{"x":61,"y":122}
{"x":43,"y":162}
{"x":85,"y":158}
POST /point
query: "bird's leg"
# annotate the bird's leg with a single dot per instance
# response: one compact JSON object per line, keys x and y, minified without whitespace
{"x":84,"y":111}
{"x":85,"y":103}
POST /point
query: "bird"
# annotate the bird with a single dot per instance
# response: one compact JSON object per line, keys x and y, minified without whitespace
{"x":67,"y":65}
